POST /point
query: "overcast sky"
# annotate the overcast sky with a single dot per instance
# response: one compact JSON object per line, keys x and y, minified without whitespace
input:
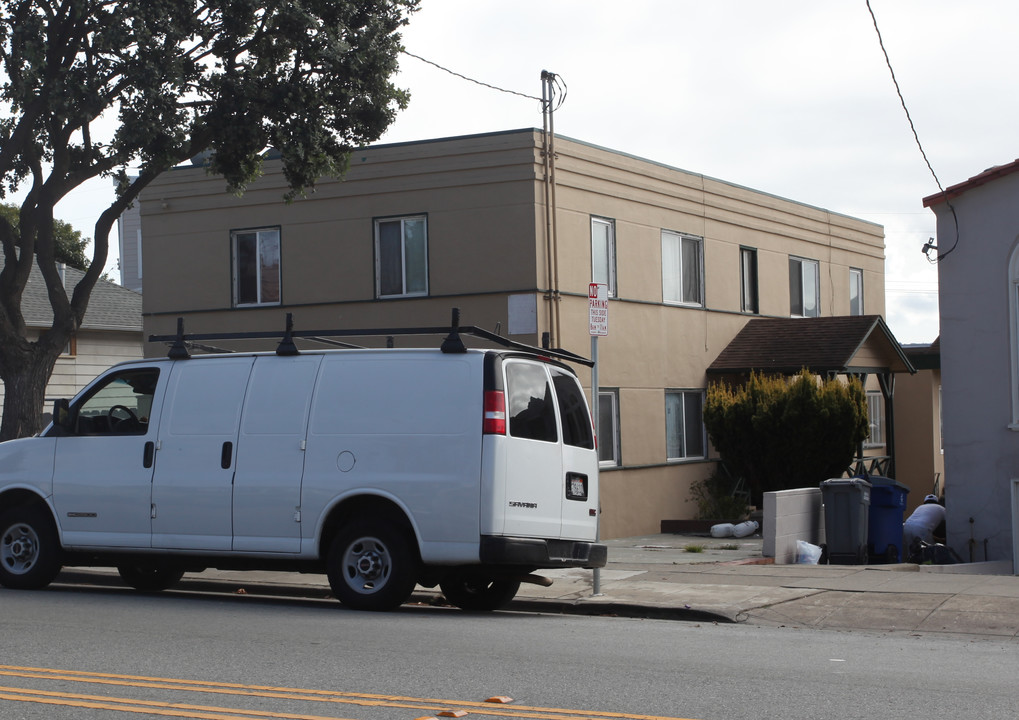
{"x":790,"y":97}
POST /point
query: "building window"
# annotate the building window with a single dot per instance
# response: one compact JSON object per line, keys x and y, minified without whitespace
{"x":401,"y":256}
{"x":855,"y":291}
{"x":256,"y":266}
{"x":684,"y":424}
{"x":603,"y":253}
{"x":1013,"y":309}
{"x":608,"y":427}
{"x":681,"y":269}
{"x":876,"y":420}
{"x":804,"y":296}
{"x":748,"y":280}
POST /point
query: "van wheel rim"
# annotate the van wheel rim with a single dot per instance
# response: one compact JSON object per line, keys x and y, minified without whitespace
{"x":367,"y":565}
{"x":19,"y":549}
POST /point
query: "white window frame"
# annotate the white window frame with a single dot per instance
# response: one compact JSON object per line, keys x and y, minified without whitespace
{"x":603,"y":252}
{"x":405,"y":282}
{"x":608,"y":438}
{"x":679,"y":252}
{"x":749,"y":287}
{"x":875,"y":420}
{"x":682,"y":435}
{"x":804,"y":266}
{"x":856,"y":287}
{"x":262,"y":235}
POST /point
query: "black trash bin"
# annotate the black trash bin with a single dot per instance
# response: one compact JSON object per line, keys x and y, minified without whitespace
{"x":846,"y":516}
{"x":884,"y":528}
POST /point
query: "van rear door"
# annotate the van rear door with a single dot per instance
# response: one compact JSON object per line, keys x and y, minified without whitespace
{"x":580,"y":459}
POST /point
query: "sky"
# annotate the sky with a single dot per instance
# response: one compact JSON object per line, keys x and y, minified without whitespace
{"x":788,"y":97}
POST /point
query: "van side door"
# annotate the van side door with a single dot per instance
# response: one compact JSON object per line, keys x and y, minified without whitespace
{"x":102,"y":471}
{"x":270,"y":454}
{"x":192,"y":490}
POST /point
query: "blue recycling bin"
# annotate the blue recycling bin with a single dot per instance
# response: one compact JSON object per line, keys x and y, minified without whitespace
{"x":884,"y":524}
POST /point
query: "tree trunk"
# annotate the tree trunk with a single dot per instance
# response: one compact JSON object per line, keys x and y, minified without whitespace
{"x":25,"y":378}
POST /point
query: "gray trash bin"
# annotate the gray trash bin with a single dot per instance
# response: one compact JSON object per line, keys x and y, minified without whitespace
{"x":846,"y":514}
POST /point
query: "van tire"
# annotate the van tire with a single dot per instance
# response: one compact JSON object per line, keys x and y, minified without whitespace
{"x":372,"y":565}
{"x":469,"y":591}
{"x":29,"y":548}
{"x":150,"y":576}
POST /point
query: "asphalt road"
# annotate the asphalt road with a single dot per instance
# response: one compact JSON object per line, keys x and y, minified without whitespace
{"x":81,"y":652}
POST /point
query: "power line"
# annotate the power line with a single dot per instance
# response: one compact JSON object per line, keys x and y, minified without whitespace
{"x":468,"y":79}
{"x":916,"y":137}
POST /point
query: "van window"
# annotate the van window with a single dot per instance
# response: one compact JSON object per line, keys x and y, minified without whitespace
{"x":577,"y":430}
{"x":120,"y":405}
{"x":529,"y":402}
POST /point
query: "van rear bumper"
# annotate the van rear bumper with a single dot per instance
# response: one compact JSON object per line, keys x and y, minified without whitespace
{"x":539,"y":553}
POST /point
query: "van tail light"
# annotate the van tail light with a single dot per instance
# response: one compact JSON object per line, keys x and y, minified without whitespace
{"x":494,"y":422}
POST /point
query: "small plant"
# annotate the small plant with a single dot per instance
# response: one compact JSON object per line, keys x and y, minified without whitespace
{"x":729,"y":546}
{"x":717,"y":498}
{"x":694,"y":548}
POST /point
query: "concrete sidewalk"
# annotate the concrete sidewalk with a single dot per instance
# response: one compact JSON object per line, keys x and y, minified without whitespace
{"x":727,"y":580}
{"x":731,"y":581}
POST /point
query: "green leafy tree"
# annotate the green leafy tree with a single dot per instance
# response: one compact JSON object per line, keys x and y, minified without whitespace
{"x":69,"y":245}
{"x":91,"y":87}
{"x":780,"y":434}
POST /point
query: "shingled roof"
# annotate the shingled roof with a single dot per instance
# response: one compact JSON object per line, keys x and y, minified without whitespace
{"x":111,"y":306}
{"x":844,"y":344}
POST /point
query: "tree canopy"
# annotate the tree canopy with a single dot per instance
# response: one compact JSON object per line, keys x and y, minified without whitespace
{"x":92,"y":87}
{"x":69,"y":245}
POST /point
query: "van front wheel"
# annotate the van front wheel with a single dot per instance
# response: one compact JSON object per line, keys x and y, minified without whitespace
{"x":29,"y":548}
{"x":473,"y":592}
{"x":372,"y":565}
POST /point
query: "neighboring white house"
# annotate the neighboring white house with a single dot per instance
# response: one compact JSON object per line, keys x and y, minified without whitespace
{"x":111,"y":332}
{"x":978,"y":276}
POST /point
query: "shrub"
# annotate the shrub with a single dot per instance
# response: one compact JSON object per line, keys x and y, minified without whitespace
{"x":780,"y":433}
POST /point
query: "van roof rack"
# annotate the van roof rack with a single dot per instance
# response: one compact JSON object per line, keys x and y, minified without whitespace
{"x":181,"y":343}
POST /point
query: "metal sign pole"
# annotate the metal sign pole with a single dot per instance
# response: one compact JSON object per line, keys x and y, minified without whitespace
{"x":597,"y":423}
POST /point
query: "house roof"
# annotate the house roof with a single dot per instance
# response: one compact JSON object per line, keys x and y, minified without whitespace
{"x":111,"y":306}
{"x":985,"y":177}
{"x":844,"y":344}
{"x":925,"y":357}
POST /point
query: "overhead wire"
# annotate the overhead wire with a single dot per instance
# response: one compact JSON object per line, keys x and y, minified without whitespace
{"x":469,"y":79}
{"x":916,"y":136}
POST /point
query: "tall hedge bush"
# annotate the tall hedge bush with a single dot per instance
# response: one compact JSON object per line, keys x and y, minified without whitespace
{"x":780,"y":433}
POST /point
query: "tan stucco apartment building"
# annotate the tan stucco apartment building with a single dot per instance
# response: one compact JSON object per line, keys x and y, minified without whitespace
{"x":418,"y":228}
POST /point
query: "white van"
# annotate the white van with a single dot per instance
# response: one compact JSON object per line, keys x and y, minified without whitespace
{"x":383,"y":468}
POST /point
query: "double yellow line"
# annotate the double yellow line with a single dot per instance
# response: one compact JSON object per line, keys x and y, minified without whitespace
{"x":208,"y":712}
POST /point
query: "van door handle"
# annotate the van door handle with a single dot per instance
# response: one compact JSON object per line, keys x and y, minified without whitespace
{"x":227,"y":456}
{"x":148,"y":454}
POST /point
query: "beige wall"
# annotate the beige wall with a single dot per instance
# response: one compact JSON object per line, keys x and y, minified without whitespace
{"x":484,"y":199}
{"x":919,"y":458}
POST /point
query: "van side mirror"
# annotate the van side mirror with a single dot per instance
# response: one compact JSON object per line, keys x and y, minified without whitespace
{"x":62,"y":413}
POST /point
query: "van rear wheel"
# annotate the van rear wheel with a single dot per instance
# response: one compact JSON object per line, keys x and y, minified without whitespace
{"x":29,"y":548}
{"x":150,"y":576}
{"x":469,"y":591}
{"x":372,"y":565}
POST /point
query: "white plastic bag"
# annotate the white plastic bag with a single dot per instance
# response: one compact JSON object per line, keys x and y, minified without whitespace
{"x":722,"y":530}
{"x":806,"y":553}
{"x":745,"y":528}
